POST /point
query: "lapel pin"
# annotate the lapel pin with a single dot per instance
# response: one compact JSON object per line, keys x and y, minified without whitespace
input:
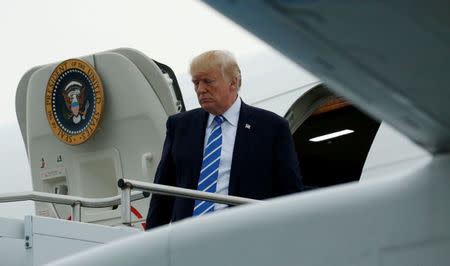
{"x":247,"y":126}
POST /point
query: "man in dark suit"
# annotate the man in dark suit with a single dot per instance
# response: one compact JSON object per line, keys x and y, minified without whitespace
{"x":224,"y":147}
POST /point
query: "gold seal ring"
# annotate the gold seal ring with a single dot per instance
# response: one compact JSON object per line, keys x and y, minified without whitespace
{"x":74,"y":101}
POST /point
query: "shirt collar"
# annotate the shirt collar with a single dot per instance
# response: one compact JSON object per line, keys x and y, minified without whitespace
{"x":231,"y":115}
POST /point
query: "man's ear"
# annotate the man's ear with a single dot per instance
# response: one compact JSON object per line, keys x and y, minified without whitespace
{"x":234,"y":83}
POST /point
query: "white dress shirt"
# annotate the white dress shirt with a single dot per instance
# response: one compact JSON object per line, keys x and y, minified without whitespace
{"x":229,"y":127}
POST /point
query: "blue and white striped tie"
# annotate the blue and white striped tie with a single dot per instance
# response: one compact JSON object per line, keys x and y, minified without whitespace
{"x":210,"y":168}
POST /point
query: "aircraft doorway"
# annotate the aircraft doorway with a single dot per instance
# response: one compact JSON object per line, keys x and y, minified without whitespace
{"x":331,"y":136}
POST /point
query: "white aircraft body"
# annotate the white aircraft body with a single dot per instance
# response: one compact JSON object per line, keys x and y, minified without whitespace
{"x":397,"y":214}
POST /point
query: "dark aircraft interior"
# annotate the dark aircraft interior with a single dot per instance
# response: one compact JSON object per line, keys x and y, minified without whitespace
{"x":334,"y":160}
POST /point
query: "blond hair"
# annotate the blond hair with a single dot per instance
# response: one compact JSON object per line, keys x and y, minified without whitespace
{"x":217,"y":58}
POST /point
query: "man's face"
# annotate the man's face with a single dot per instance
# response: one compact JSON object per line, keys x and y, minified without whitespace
{"x":215,"y":93}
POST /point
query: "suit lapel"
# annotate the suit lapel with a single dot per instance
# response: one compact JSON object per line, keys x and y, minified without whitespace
{"x":198,"y":142}
{"x":240,"y":149}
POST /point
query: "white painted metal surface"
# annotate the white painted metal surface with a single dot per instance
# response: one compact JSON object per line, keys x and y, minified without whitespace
{"x":393,"y":154}
{"x":128,"y":143}
{"x":397,"y":221}
{"x":12,"y":242}
{"x":39,"y":240}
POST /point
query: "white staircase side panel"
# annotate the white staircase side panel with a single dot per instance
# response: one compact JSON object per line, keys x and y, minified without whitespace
{"x":12,"y":252}
{"x":12,"y":244}
{"x":50,"y":239}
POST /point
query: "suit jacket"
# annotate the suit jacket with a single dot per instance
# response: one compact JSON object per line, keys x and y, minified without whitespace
{"x":264,"y":162}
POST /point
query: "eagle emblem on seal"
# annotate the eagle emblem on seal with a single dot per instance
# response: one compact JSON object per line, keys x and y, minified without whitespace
{"x":74,"y":101}
{"x":74,"y":98}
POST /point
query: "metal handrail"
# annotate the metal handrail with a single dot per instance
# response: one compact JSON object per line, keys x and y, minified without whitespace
{"x":124,"y":199}
{"x":74,"y":201}
{"x":127,"y":185}
{"x":184,"y":192}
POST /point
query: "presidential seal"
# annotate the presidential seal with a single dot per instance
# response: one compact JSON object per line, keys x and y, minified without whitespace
{"x":74,"y":101}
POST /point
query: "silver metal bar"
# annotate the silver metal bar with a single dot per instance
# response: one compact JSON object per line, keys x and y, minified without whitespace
{"x":53,"y":207}
{"x":184,"y":193}
{"x":28,"y":230}
{"x":68,"y":200}
{"x":76,"y":212}
{"x":126,"y":206}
